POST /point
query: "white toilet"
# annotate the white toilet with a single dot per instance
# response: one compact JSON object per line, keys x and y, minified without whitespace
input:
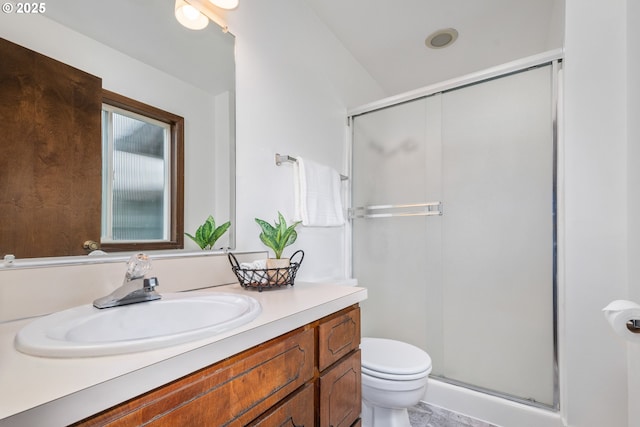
{"x":394,"y":378}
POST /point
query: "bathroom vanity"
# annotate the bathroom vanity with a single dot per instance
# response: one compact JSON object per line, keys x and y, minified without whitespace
{"x":264,"y":386}
{"x":297,"y":363}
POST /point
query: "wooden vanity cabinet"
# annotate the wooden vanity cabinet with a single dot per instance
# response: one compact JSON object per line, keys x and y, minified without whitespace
{"x":307,"y":377}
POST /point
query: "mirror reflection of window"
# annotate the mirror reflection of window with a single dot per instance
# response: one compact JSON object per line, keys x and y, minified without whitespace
{"x":142,"y":176}
{"x":136,"y":196}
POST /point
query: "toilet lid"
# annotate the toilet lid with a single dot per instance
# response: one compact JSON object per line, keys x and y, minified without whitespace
{"x":383,"y":358}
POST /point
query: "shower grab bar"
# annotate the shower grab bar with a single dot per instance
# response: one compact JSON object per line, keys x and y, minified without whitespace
{"x":280,"y":158}
{"x":411,"y":209}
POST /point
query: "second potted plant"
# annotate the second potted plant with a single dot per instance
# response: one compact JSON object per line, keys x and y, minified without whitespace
{"x":277,"y":237}
{"x":207,"y":234}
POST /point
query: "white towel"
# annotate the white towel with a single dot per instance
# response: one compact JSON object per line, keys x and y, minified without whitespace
{"x":259,"y":276}
{"x":254,"y":265}
{"x":318,"y":199}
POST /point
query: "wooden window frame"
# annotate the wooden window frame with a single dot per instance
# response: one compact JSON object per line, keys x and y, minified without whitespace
{"x":176,"y":233}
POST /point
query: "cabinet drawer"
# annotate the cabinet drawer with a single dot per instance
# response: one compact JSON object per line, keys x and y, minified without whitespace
{"x":295,"y":411}
{"x":231,"y":393}
{"x":341,"y":393}
{"x":337,"y":336}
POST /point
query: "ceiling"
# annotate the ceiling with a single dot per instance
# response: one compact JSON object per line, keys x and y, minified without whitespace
{"x":388,"y":37}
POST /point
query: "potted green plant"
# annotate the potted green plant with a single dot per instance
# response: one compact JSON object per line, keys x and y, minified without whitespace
{"x":207,"y":234}
{"x":277,"y":237}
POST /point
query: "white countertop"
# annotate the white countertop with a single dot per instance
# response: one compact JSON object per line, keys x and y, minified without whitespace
{"x":48,"y":391}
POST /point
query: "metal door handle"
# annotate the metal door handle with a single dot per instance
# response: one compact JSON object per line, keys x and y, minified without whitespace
{"x":388,"y":211}
{"x":91,"y":245}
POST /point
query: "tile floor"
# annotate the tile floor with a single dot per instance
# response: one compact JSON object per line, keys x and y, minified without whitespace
{"x":424,"y":415}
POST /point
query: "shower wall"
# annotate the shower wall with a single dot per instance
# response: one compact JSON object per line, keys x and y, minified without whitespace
{"x":470,"y":280}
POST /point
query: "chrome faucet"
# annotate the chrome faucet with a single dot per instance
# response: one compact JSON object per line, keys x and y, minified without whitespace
{"x":135,"y":286}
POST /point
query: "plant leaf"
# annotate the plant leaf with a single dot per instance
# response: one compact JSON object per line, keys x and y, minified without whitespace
{"x":218,"y":232}
{"x":206,"y":231}
{"x":199,"y":243}
{"x":269,"y":241}
{"x":282,"y":226}
{"x":212,"y":222}
{"x":292,"y":235}
{"x":266,"y":227}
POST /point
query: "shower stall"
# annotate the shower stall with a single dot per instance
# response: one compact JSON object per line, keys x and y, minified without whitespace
{"x":453,"y":207}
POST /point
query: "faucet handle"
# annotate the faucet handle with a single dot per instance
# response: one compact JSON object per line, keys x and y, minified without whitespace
{"x":138,"y":265}
{"x":149,"y":283}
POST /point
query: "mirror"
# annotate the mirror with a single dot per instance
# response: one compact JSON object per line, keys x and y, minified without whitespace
{"x":140,"y":51}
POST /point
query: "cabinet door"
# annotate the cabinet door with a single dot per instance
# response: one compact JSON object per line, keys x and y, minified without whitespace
{"x":337,"y":336}
{"x":297,"y":411}
{"x":341,"y":393}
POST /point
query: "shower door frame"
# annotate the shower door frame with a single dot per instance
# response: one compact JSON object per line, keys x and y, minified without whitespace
{"x":554,"y":59}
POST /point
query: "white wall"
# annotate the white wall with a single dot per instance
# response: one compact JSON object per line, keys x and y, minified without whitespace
{"x":593,"y":359}
{"x":633,"y":161}
{"x":295,"y":82}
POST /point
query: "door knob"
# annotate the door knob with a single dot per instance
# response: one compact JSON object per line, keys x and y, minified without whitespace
{"x":91,"y":245}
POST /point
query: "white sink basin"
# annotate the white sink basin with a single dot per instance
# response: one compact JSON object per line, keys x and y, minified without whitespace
{"x":176,"y":318}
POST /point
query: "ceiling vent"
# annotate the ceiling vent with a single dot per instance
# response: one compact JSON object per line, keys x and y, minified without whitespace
{"x":441,"y":38}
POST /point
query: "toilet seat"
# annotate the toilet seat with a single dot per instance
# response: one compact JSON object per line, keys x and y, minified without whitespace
{"x":393,"y":360}
{"x":394,"y":377}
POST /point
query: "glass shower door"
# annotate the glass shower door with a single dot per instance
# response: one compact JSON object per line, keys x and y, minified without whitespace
{"x":396,"y":192}
{"x":473,"y":286}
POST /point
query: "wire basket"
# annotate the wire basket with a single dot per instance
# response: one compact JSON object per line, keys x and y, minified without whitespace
{"x":266,"y":278}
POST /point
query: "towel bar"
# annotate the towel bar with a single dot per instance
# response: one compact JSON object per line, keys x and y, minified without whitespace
{"x":287,"y":158}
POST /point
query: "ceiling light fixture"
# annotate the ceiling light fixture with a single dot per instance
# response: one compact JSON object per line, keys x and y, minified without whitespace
{"x":225,"y":4}
{"x":196,"y":14}
{"x":441,"y":38}
{"x":189,"y":16}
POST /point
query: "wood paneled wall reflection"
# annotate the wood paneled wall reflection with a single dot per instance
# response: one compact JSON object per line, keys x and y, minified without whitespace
{"x":50,"y":167}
